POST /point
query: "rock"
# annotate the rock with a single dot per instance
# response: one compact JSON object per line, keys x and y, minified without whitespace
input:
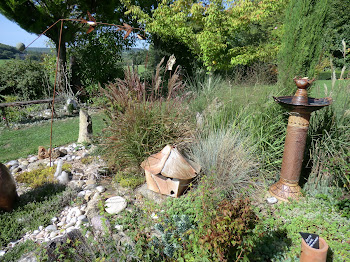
{"x":92,"y":208}
{"x":101,"y":189}
{"x":30,"y":257}
{"x":154,"y":216}
{"x":82,"y":218}
{"x":115,"y":204}
{"x":63,"y":152}
{"x":63,"y":178}
{"x":91,"y":182}
{"x":71,"y":105}
{"x":59,"y":224}
{"x":12,"y":163}
{"x":54,"y":219}
{"x":53,"y":234}
{"x":2,"y":253}
{"x":32,"y":159}
{"x":23,"y":167}
{"x":81,"y":193}
{"x":119,"y":227}
{"x":59,"y":168}
{"x":50,"y":228}
{"x":271,"y":200}
{"x":23,"y":162}
{"x":88,"y":193}
{"x":76,"y":240}
{"x":16,"y":170}
{"x":103,"y":170}
{"x":85,"y":127}
{"x":13,"y":168}
{"x":144,"y":191}
{"x":70,"y":224}
{"x":90,"y":187}
{"x":8,"y":193}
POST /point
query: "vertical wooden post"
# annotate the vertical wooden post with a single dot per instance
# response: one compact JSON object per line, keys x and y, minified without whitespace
{"x":4,"y":116}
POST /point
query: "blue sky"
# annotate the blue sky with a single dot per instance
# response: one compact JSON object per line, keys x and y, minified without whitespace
{"x":11,"y":34}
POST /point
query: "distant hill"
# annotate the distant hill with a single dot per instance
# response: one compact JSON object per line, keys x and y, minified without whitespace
{"x":42,"y":50}
{"x":8,"y":52}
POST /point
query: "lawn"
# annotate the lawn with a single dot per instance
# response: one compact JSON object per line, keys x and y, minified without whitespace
{"x":25,"y":141}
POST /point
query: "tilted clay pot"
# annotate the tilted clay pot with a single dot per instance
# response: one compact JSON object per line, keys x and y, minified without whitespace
{"x":310,"y":254}
{"x":8,"y":193}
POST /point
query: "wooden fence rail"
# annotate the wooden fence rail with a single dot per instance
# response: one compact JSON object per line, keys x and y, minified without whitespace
{"x":24,"y":103}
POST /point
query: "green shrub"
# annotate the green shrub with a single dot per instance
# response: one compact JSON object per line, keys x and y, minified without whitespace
{"x":12,"y":113}
{"x":303,"y":40}
{"x":228,"y":233}
{"x":40,"y":176}
{"x":139,"y":120}
{"x":23,"y":78}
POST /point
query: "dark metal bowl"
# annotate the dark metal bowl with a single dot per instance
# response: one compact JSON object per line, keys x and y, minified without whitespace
{"x":312,"y":105}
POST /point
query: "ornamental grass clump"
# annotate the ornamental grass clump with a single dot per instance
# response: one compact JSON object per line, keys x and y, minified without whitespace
{"x":227,"y":159}
{"x":142,"y":118}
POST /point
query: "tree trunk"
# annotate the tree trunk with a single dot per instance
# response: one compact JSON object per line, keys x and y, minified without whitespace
{"x":61,"y":69}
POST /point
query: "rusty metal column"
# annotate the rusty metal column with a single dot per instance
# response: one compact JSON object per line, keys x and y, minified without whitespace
{"x":300,"y":107}
{"x":287,"y":186}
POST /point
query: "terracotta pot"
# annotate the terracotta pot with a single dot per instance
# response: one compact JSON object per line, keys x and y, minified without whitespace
{"x":310,"y":254}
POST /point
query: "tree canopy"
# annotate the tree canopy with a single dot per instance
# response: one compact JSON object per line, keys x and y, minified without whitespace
{"x":35,"y":16}
{"x":222,"y":34}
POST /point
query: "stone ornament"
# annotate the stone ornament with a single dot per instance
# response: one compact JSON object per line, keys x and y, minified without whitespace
{"x":168,"y":172}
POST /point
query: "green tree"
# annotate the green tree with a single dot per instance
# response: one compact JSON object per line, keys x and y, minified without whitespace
{"x":96,"y":57}
{"x":338,"y":29}
{"x":35,"y":16}
{"x":221,"y":34}
{"x":26,"y":79}
{"x":303,"y":40}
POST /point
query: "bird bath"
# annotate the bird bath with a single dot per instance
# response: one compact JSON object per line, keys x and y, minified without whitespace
{"x":300,"y":107}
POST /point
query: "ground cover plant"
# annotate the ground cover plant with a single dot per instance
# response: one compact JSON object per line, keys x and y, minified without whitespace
{"x":34,"y":208}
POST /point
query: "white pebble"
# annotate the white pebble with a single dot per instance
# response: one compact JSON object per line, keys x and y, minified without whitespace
{"x":119,"y":227}
{"x":271,"y":200}
{"x":51,"y":228}
{"x":60,"y":224}
{"x":70,"y":229}
{"x":81,"y":217}
{"x":53,"y":234}
{"x":100,"y":189}
{"x":81,"y":193}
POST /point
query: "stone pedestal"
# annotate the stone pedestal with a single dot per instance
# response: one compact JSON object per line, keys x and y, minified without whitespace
{"x":85,"y":127}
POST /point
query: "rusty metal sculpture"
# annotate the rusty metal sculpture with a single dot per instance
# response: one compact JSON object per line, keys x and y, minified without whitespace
{"x":300,"y":106}
{"x":92,"y":24}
